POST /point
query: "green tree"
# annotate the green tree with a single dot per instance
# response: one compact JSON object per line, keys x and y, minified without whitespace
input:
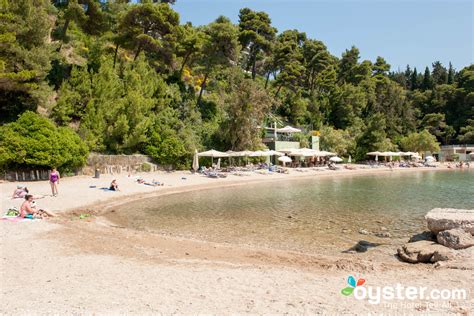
{"x":337,"y":140}
{"x":316,"y":60}
{"x":34,"y":141}
{"x":381,"y":67}
{"x":220,"y":49}
{"x":420,"y":142}
{"x":25,"y":57}
{"x":466,"y":135}
{"x":190,"y":44}
{"x":439,"y":73}
{"x":256,"y":36}
{"x":373,"y":137}
{"x":151,"y":28}
{"x":288,"y":58}
{"x":427,"y":83}
{"x":414,"y":82}
{"x":451,"y":73}
{"x":245,"y":105}
{"x":74,"y":12}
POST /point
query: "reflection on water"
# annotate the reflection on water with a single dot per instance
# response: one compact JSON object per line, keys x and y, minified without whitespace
{"x":308,"y":215}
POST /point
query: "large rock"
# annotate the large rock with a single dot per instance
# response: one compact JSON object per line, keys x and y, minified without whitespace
{"x":455,"y":238}
{"x":424,"y":251}
{"x":440,"y":219}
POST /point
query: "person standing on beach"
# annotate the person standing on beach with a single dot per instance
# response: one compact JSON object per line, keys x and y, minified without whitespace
{"x":54,"y":181}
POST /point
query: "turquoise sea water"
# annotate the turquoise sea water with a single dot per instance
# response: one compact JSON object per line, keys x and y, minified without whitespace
{"x":306,"y":215}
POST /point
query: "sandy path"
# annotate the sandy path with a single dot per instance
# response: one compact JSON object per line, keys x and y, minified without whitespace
{"x":63,"y":266}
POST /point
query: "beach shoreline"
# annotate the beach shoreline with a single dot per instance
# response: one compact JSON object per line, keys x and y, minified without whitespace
{"x":179,"y":275}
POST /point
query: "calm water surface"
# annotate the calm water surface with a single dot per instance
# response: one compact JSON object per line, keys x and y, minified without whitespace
{"x":305,"y":215}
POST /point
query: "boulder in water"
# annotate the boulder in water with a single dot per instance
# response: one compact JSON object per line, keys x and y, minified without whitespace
{"x":424,"y":251}
{"x":426,"y":235}
{"x":455,"y":238}
{"x":440,"y":219}
{"x":361,"y":246}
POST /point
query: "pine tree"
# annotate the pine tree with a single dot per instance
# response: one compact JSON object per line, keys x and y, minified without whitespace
{"x":450,"y":79}
{"x":427,"y":83}
{"x":414,"y":80}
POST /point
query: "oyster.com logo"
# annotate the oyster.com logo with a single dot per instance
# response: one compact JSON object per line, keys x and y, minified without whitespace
{"x":353,"y":284}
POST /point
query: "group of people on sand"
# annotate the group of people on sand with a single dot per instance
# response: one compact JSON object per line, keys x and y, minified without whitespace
{"x":460,"y":165}
{"x":28,"y":208}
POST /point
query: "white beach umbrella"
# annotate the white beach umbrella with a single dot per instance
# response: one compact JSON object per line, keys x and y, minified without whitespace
{"x":286,"y":151}
{"x":258,"y":153}
{"x":350,"y":159}
{"x":374,"y":153}
{"x":218,"y":166}
{"x":195,"y":161}
{"x":335,"y":159}
{"x":295,"y":152}
{"x":288,"y":129}
{"x":274,"y":153}
{"x":213,"y":154}
{"x":284,"y":159}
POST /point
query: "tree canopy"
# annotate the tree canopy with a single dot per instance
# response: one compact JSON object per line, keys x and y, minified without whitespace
{"x":129,"y":77}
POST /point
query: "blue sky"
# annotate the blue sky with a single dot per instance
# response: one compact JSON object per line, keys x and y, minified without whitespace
{"x":415,"y":32}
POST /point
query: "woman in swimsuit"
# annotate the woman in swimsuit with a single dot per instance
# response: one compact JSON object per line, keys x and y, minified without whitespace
{"x":28,"y":211}
{"x":54,"y":181}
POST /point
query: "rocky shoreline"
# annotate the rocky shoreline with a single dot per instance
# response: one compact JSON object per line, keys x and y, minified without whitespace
{"x":449,"y":239}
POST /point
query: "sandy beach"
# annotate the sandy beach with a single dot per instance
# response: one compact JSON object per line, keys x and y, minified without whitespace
{"x":94,"y":266}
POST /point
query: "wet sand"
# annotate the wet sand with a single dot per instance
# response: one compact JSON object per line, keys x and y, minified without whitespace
{"x":90,"y":265}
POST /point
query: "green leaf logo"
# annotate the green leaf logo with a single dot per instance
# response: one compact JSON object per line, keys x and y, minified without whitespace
{"x":347,"y":291}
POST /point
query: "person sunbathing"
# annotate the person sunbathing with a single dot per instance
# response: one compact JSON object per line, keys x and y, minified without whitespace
{"x":114,"y":186}
{"x":27,"y":210}
{"x":20,"y":192}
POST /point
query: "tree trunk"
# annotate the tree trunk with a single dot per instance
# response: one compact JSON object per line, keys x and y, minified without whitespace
{"x":184,"y":63}
{"x":267,"y":79}
{"x":203,"y":86}
{"x":278,"y":90}
{"x":66,"y":25}
{"x":139,"y":49}
{"x":254,"y":67}
{"x":115,"y":54}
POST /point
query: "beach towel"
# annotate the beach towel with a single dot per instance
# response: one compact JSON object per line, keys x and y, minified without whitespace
{"x":15,"y":219}
{"x":107,"y":189}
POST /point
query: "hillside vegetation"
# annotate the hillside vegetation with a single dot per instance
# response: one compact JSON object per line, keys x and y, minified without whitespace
{"x":116,"y":77}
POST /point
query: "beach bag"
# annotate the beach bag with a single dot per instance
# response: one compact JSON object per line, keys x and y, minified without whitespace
{"x":13,"y":212}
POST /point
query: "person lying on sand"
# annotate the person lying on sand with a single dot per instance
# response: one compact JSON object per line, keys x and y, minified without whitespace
{"x":20,"y":192}
{"x":114,"y":185}
{"x":27,"y":210}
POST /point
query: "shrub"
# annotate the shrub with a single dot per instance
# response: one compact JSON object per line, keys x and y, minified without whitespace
{"x":33,"y":141}
{"x":146,"y":167}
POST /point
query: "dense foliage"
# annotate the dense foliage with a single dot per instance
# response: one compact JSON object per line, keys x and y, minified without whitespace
{"x":35,"y":142}
{"x":130,"y":78}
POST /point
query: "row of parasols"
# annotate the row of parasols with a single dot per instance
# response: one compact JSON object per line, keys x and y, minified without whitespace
{"x":391,"y":154}
{"x":283,"y":155}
